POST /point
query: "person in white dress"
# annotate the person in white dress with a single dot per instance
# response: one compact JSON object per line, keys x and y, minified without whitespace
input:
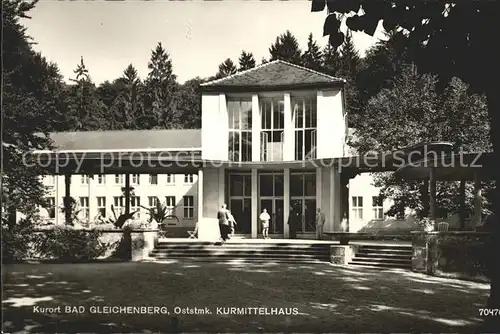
{"x":264,"y":219}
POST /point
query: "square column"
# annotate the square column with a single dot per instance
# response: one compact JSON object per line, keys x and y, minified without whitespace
{"x":200,"y":195}
{"x":333,"y":198}
{"x":286,"y":202}
{"x":222,"y":185}
{"x":255,"y":128}
{"x":255,"y":205}
{"x":289,"y":140}
{"x":319,"y":188}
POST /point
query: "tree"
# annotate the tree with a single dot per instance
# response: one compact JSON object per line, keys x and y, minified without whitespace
{"x":32,"y":104}
{"x":331,"y":60}
{"x":349,"y":58}
{"x":286,"y":48}
{"x":312,"y":57}
{"x":226,"y":68}
{"x":190,"y":104}
{"x":246,"y":61}
{"x":446,"y":39}
{"x":87,"y":111}
{"x":160,"y":100}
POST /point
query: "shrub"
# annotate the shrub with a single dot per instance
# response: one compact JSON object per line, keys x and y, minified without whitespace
{"x":67,"y":244}
{"x":17,"y":240}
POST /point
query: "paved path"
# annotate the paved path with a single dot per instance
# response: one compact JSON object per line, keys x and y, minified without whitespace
{"x":326,"y":298}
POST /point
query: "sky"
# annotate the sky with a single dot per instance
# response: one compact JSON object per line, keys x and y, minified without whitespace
{"x":198,"y":35}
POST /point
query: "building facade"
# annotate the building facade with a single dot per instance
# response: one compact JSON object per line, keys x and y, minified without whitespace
{"x":263,"y":132}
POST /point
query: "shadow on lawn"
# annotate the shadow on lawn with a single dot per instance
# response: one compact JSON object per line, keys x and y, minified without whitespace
{"x":329,"y":299}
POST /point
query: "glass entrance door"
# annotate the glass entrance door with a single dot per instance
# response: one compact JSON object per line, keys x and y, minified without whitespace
{"x":306,"y":207}
{"x":274,"y":207}
{"x":241,"y":211}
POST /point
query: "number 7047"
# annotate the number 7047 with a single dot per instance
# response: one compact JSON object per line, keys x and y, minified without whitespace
{"x":485,"y":312}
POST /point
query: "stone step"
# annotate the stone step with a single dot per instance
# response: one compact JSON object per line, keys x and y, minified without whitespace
{"x":244,"y":260}
{"x":242,"y":249}
{"x":385,"y":255}
{"x":249,"y":245}
{"x":386,"y":250}
{"x":379,"y":264}
{"x":382,"y":260}
{"x":230,"y":254}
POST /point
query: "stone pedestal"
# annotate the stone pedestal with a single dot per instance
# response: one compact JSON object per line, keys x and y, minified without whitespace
{"x":142,"y":243}
{"x":342,"y":254}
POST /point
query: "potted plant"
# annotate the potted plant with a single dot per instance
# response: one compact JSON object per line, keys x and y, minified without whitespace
{"x":427,"y":224}
{"x":158,"y":214}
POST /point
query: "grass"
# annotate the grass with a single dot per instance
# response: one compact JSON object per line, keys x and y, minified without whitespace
{"x":329,"y":299}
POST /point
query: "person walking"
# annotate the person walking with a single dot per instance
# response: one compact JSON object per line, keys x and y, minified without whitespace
{"x":232,"y":223}
{"x":264,"y":219}
{"x":320,"y":222}
{"x":223,"y":218}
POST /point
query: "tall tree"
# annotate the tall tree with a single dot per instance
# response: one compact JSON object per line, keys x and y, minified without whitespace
{"x":127,"y":107}
{"x":160,"y":99}
{"x":312,"y":57}
{"x":331,"y":60}
{"x":190,"y":104}
{"x":31,"y":106}
{"x":226,"y":68}
{"x":286,"y":48}
{"x":87,"y":111}
{"x":443,"y":38}
{"x":246,"y":60}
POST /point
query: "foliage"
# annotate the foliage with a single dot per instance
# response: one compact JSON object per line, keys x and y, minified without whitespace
{"x":426,"y":224}
{"x":330,"y":60}
{"x":159,"y":213}
{"x":246,"y":61}
{"x":119,"y":220}
{"x":312,"y":57}
{"x":67,"y":244}
{"x":17,"y":239}
{"x":226,"y":68}
{"x":286,"y":48}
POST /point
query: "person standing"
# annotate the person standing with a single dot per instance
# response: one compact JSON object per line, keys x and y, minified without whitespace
{"x":232,"y":222}
{"x":264,"y":219}
{"x":292,"y":224}
{"x":320,"y":222}
{"x":223,"y":218}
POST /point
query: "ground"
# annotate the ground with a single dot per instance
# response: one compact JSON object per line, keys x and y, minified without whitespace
{"x":328,"y":298}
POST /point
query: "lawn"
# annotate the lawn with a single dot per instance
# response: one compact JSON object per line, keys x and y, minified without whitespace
{"x":328,"y":298}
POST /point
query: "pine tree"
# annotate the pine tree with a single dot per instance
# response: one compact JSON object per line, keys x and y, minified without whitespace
{"x":87,"y":111}
{"x":312,"y":57}
{"x":286,"y":48}
{"x":349,"y":59}
{"x":160,"y":100}
{"x":127,"y":107}
{"x":246,"y":61}
{"x":330,"y":60}
{"x":226,"y":68}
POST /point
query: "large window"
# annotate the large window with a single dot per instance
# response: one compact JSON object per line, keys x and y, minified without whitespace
{"x":170,"y":179}
{"x":84,"y":205}
{"x":272,"y":129}
{"x":240,"y":129}
{"x":136,"y":179}
{"x":135,"y":205}
{"x":305,"y":119}
{"x":118,"y":178}
{"x":153,"y":178}
{"x":152,"y":202}
{"x":101,"y":206}
{"x":357,"y":207}
{"x":188,"y":206}
{"x":188,"y":178}
{"x":378,"y":207}
{"x":101,"y":179}
{"x":239,"y":188}
{"x":119,"y":205}
{"x":170,"y":204}
{"x":303,"y":198}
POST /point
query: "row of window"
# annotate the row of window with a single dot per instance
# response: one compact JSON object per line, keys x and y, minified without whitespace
{"x":377,"y":207}
{"x":272,"y":132}
{"x":134,"y":179}
{"x":135,"y":204}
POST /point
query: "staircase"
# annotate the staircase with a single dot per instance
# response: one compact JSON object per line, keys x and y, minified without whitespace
{"x":383,"y":256}
{"x":256,"y":251}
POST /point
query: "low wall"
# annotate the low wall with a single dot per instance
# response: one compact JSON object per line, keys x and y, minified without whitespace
{"x":461,"y":255}
{"x":131,"y":245}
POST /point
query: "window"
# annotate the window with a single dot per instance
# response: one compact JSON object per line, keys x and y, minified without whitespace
{"x":188,"y":207}
{"x":152,"y":201}
{"x":51,"y":207}
{"x":170,"y":179}
{"x":170,"y":203}
{"x":357,"y":207}
{"x":305,"y":118}
{"x":119,"y":204}
{"x":50,"y":180}
{"x":135,"y":204}
{"x":101,"y":206}
{"x":272,"y":133}
{"x":153,"y":178}
{"x":84,"y":205}
{"x":101,"y":179}
{"x":118,"y":179}
{"x":136,"y":179}
{"x":188,"y":178}
{"x":240,"y":129}
{"x":378,"y":207}
{"x":85,"y":179}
